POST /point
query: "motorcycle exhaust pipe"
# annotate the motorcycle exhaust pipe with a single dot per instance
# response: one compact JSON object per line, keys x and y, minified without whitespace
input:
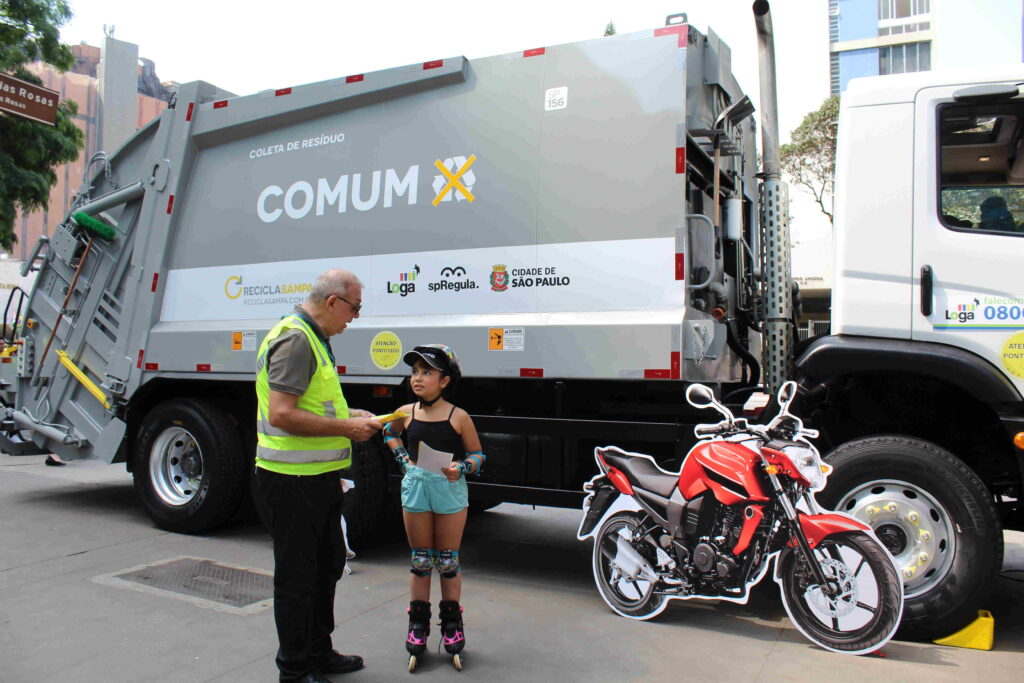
{"x":628,"y":561}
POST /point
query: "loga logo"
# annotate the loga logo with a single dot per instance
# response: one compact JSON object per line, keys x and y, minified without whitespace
{"x":233,"y":287}
{"x":451,"y":281}
{"x":499,"y":278}
{"x":406,"y":283}
{"x":962,"y":313}
{"x":456,"y":179}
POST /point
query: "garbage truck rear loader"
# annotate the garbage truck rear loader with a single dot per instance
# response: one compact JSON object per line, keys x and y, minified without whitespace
{"x":550,"y":214}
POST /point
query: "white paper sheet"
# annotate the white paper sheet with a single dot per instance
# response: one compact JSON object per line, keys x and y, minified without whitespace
{"x":431,"y":460}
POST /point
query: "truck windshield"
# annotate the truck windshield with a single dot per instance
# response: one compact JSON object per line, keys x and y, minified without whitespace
{"x":982,"y":167}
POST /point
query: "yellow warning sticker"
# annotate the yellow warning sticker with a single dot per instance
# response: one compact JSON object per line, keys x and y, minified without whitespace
{"x":1013,"y":355}
{"x":236,"y":341}
{"x":386,"y":350}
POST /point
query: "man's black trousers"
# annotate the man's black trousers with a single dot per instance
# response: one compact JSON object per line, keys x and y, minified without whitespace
{"x":304,"y":518}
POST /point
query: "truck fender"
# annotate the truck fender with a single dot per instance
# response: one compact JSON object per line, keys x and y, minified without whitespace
{"x":836,"y":355}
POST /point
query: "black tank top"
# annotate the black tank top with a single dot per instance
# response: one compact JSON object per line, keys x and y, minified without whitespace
{"x":440,"y":436}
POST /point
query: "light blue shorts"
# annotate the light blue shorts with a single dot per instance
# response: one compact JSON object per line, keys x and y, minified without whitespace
{"x":424,"y":491}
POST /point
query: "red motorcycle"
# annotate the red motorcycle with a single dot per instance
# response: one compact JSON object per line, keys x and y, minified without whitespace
{"x":745,"y":495}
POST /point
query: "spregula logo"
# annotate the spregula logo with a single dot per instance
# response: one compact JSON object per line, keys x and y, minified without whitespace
{"x":383,"y":188}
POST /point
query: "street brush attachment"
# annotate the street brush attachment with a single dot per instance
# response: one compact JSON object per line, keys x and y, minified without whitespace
{"x":94,"y":226}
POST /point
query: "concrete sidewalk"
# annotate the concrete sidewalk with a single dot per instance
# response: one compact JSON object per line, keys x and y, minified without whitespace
{"x":532,"y":611}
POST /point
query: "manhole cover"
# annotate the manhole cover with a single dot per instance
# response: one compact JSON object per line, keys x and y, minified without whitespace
{"x":200,"y":581}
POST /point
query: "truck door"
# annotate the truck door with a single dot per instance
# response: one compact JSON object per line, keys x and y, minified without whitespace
{"x":969,"y":225}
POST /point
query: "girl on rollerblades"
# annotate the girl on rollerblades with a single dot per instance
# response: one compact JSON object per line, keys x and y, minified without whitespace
{"x":434,"y":505}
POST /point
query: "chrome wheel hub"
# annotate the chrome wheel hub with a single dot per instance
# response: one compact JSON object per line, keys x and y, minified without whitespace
{"x":915,"y":529}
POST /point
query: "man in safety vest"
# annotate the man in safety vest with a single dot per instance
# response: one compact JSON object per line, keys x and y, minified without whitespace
{"x":304,"y":429}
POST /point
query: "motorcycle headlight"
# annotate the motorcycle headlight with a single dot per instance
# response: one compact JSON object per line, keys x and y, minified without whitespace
{"x":809,"y":464}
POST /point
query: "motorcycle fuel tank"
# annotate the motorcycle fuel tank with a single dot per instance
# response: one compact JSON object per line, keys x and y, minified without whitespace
{"x":728,"y":469}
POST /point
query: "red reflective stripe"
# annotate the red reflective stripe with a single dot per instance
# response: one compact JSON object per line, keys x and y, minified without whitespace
{"x":354,"y":79}
{"x":6,"y":359}
{"x":156,"y":278}
{"x":680,"y":160}
{"x":657,"y":374}
{"x":170,"y":203}
{"x":152,"y":366}
{"x":202,"y":367}
{"x":220,"y":105}
{"x":676,"y":365}
{"x":433,"y":65}
{"x":282,"y":91}
{"x":682,"y":30}
{"x":534,"y":52}
{"x":191,"y":108}
{"x":138,"y":363}
{"x":531,"y":372}
{"x":680,"y":266}
{"x":341,"y":369}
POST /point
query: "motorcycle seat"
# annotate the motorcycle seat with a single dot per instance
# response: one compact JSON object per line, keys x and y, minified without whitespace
{"x":643,"y":473}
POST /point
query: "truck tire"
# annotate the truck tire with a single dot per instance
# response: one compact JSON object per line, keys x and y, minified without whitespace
{"x":364,"y":504}
{"x":933,"y":514}
{"x":191,"y":468}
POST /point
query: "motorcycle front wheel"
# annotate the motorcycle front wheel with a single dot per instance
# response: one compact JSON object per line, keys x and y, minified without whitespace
{"x":630,"y":597}
{"x":865,"y":612}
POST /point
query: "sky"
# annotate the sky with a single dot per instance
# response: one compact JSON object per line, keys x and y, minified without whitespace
{"x":246,"y":47}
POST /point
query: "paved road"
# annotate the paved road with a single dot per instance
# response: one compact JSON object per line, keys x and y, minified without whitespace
{"x":532,"y":612}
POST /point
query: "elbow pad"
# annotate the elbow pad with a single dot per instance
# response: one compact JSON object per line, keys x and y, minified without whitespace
{"x":474,"y":462}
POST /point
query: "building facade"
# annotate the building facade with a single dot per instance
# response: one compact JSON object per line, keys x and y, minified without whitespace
{"x":879,"y":37}
{"x":112,"y":75}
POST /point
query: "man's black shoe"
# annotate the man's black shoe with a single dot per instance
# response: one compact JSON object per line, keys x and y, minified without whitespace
{"x":337,"y":663}
{"x":312,"y":677}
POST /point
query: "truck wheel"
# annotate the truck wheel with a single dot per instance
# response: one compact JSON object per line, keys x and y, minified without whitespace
{"x":190,"y":465}
{"x":935,"y":517}
{"x":364,"y":504}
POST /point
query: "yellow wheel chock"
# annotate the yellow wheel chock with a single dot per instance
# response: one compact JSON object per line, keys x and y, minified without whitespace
{"x":976,"y":635}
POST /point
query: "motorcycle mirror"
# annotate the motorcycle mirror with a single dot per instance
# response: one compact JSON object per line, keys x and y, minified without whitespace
{"x":786,"y":395}
{"x":699,"y":396}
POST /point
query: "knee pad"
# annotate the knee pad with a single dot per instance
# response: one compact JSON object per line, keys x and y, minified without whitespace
{"x":447,"y":563}
{"x":422,"y":561}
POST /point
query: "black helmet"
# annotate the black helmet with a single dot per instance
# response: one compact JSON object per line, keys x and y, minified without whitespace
{"x":439,"y":357}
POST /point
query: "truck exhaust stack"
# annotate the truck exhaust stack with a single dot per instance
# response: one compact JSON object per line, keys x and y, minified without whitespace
{"x":777,"y":353}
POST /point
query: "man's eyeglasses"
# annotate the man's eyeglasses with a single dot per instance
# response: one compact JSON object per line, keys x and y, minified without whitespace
{"x":355,"y":307}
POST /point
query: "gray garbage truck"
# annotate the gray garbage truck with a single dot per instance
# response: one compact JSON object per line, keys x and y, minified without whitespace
{"x":587,"y":226}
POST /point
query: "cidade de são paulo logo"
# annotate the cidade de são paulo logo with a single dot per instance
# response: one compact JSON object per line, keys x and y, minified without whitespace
{"x":405,"y":284}
{"x":366,"y":191}
{"x":453,"y":279}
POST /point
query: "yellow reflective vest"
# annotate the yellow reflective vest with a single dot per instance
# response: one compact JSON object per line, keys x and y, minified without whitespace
{"x":276,"y":449}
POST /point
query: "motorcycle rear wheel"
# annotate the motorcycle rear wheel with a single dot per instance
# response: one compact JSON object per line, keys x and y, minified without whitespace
{"x":866,"y":612}
{"x":635,"y":599}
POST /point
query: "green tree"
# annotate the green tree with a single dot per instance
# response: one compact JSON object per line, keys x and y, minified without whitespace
{"x":810,"y":158}
{"x":29,"y":151}
{"x":609,"y":30}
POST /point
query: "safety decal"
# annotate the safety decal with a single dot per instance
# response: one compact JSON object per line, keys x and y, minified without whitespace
{"x":243,"y":341}
{"x":506,"y":339}
{"x":386,"y":350}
